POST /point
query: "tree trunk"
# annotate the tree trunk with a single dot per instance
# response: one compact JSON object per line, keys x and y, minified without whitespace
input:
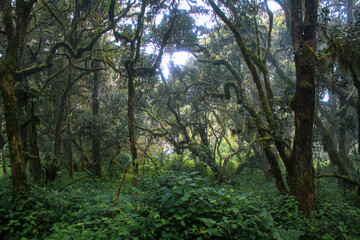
{"x":96,"y":136}
{"x":36,"y":167}
{"x":59,"y":125}
{"x":55,"y":165}
{"x":15,"y":40}
{"x":68,"y":143}
{"x":3,"y":160}
{"x":342,"y":135}
{"x":24,"y":117}
{"x":2,"y":145}
{"x":206,"y":154}
{"x":349,"y":11}
{"x":335,"y":158}
{"x":300,"y":172}
{"x":358,"y":119}
{"x":131,"y":119}
{"x":342,"y":129}
{"x":7,"y":86}
{"x":355,"y":75}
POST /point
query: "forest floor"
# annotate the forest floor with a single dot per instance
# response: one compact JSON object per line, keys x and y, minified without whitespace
{"x":175,"y":206}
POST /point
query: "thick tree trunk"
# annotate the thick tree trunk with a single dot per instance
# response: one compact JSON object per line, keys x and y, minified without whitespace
{"x":300,"y":172}
{"x":96,"y":136}
{"x":15,"y":40}
{"x":7,"y":86}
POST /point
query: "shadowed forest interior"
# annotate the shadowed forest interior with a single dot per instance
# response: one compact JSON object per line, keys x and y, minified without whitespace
{"x":180,"y":119}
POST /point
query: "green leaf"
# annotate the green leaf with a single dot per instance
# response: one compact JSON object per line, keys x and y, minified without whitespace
{"x":186,"y":197}
{"x":235,"y":210}
{"x":208,"y":222}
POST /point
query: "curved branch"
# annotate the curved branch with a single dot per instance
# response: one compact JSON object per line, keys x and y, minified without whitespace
{"x":54,"y":15}
{"x":345,"y":178}
{"x":271,"y":20}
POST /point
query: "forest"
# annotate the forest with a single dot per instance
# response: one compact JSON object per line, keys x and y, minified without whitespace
{"x":180,"y":119}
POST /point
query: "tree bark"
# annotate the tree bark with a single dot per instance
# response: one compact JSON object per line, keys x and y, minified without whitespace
{"x":68,"y":143}
{"x":131,"y":119}
{"x":300,"y":172}
{"x":7,"y":85}
{"x":96,"y":136}
{"x":35,"y":166}
{"x":15,"y":40}
{"x":2,"y":145}
{"x":55,"y":165}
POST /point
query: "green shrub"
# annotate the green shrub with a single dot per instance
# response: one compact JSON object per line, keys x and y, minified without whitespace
{"x":30,"y":216}
{"x":169,"y":206}
{"x":188,"y":208}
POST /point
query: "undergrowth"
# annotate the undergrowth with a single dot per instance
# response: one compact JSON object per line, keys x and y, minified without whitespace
{"x":169,"y":206}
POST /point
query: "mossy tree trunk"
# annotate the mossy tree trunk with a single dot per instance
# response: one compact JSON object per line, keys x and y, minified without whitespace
{"x":15,"y":40}
{"x":131,"y":70}
{"x":300,"y":173}
{"x":7,"y":85}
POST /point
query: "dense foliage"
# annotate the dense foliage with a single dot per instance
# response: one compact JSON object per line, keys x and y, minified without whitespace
{"x":171,"y":206}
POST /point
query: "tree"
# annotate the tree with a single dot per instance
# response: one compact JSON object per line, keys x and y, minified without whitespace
{"x":300,"y":182}
{"x":15,"y":36}
{"x":300,"y":173}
